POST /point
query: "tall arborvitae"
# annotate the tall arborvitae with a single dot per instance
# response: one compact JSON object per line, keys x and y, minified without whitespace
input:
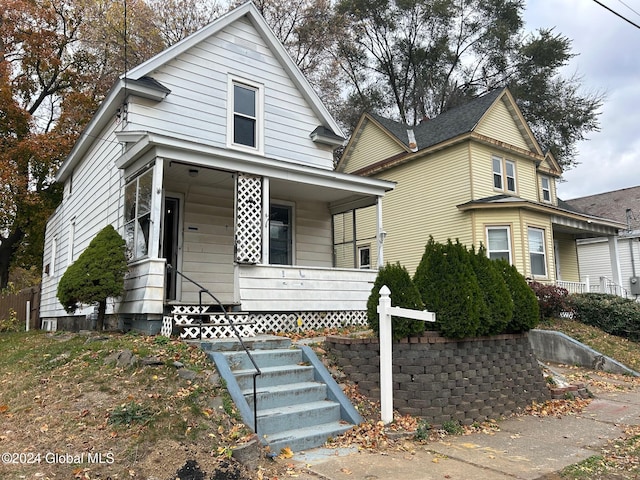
{"x":497,"y":308}
{"x":526,"y":312}
{"x":448,"y":287}
{"x":403,"y":294}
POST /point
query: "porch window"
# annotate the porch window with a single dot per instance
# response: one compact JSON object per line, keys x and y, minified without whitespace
{"x":537,"y":255}
{"x":281,"y":235}
{"x":137,"y":215}
{"x":504,"y":174}
{"x":499,"y":243}
{"x":364,"y":257}
{"x":245,"y":115}
{"x":546,"y":189}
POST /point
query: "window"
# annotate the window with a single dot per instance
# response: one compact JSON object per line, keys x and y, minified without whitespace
{"x":280,"y":235}
{"x":504,"y":174}
{"x":137,"y":215}
{"x":546,"y":189}
{"x":245,"y":115}
{"x":497,"y":173}
{"x":499,"y":243}
{"x":537,"y":255}
{"x":364,"y":257}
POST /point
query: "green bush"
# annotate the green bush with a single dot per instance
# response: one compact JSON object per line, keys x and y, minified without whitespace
{"x":497,"y":309}
{"x":526,"y":313}
{"x":613,"y":314}
{"x":552,"y":300}
{"x":403,"y":294}
{"x":96,"y":275}
{"x":448,"y":287}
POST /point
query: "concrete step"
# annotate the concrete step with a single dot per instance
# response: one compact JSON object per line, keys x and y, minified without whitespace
{"x":275,"y":420}
{"x":304,"y":438}
{"x":259,"y":342}
{"x":278,"y":375}
{"x":264,"y":358}
{"x":287,"y":394}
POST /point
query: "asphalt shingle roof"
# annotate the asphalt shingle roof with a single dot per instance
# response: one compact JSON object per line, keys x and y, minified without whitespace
{"x":447,"y":125}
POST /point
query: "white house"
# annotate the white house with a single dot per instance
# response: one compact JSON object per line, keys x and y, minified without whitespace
{"x":216,"y":157}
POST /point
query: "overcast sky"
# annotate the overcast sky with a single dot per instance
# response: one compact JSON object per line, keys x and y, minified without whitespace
{"x":608,"y":62}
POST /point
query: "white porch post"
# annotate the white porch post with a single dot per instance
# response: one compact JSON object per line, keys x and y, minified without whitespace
{"x":381,"y":234}
{"x":265,"y":220}
{"x":156,"y":209}
{"x":615,"y":260}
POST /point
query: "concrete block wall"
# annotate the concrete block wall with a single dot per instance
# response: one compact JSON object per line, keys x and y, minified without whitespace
{"x":442,"y":379}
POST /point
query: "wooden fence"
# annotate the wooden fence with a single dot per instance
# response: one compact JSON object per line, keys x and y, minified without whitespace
{"x":18,"y":302}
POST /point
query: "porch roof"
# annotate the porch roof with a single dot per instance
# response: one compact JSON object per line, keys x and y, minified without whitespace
{"x":562,"y":219}
{"x":342,"y":191}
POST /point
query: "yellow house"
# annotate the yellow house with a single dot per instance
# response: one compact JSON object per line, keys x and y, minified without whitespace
{"x":474,"y":173}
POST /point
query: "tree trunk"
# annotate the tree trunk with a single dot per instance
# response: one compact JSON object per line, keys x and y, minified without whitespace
{"x":8,"y":247}
{"x":102,"y":310}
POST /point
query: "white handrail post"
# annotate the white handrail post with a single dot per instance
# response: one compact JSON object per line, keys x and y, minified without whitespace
{"x":386,"y":356}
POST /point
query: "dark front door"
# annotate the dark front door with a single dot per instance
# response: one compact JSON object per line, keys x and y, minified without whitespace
{"x":170,"y":244}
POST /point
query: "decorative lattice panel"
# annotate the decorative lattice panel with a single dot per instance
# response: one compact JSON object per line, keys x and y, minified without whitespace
{"x":248,"y":219}
{"x":253,"y":324}
{"x":167,"y":326}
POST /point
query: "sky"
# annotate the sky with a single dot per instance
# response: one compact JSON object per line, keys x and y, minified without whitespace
{"x":608,"y":62}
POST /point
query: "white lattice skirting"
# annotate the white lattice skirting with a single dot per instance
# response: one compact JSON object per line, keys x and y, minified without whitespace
{"x":252,"y":324}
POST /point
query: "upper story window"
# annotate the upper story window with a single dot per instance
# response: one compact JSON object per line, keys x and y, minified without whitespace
{"x":499,"y":243}
{"x":245,"y":118}
{"x":546,"y":189}
{"x":504,"y":174}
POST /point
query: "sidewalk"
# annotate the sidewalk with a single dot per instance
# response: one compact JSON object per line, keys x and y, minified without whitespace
{"x":526,"y":447}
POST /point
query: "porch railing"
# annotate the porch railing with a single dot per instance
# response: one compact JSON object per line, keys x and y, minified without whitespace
{"x":605,"y":285}
{"x":257,"y":372}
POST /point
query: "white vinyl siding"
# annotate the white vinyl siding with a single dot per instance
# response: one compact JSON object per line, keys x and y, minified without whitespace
{"x":94,"y":202}
{"x":196,"y":109}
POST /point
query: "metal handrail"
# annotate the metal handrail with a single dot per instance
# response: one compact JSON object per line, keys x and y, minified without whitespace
{"x":235,"y":331}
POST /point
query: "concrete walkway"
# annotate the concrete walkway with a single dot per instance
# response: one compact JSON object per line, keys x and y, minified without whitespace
{"x":526,"y":447}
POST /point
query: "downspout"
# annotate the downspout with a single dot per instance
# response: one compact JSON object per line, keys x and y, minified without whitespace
{"x":633,"y":263}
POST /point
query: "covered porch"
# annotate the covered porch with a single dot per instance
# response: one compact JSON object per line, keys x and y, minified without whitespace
{"x":256,"y":235}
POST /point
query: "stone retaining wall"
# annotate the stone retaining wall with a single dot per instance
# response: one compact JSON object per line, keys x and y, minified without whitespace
{"x":441,"y":379}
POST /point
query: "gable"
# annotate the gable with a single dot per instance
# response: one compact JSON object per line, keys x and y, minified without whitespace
{"x":499,"y":123}
{"x":369,"y":144}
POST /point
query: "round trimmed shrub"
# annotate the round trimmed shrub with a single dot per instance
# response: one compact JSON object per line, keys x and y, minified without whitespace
{"x":403,"y":294}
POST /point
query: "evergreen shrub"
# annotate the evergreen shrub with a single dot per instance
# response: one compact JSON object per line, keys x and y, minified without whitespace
{"x":526,"y":313}
{"x":96,"y":275}
{"x":403,"y":294}
{"x":448,"y":286}
{"x":497,"y":308}
{"x":611,"y":313}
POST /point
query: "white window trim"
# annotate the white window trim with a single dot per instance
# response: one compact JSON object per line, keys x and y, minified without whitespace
{"x":504,"y":176}
{"x":259,"y":148}
{"x":72,"y":239}
{"x":509,"y":246}
{"x":548,"y":189}
{"x":361,"y":248}
{"x":544,"y":252}
{"x":292,"y":224}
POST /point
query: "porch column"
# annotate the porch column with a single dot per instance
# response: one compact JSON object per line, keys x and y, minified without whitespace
{"x":156,"y":209}
{"x":381,"y":233}
{"x":265,"y":220}
{"x":615,"y":260}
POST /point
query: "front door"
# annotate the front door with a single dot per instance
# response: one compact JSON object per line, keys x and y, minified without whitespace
{"x":170,"y":246}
